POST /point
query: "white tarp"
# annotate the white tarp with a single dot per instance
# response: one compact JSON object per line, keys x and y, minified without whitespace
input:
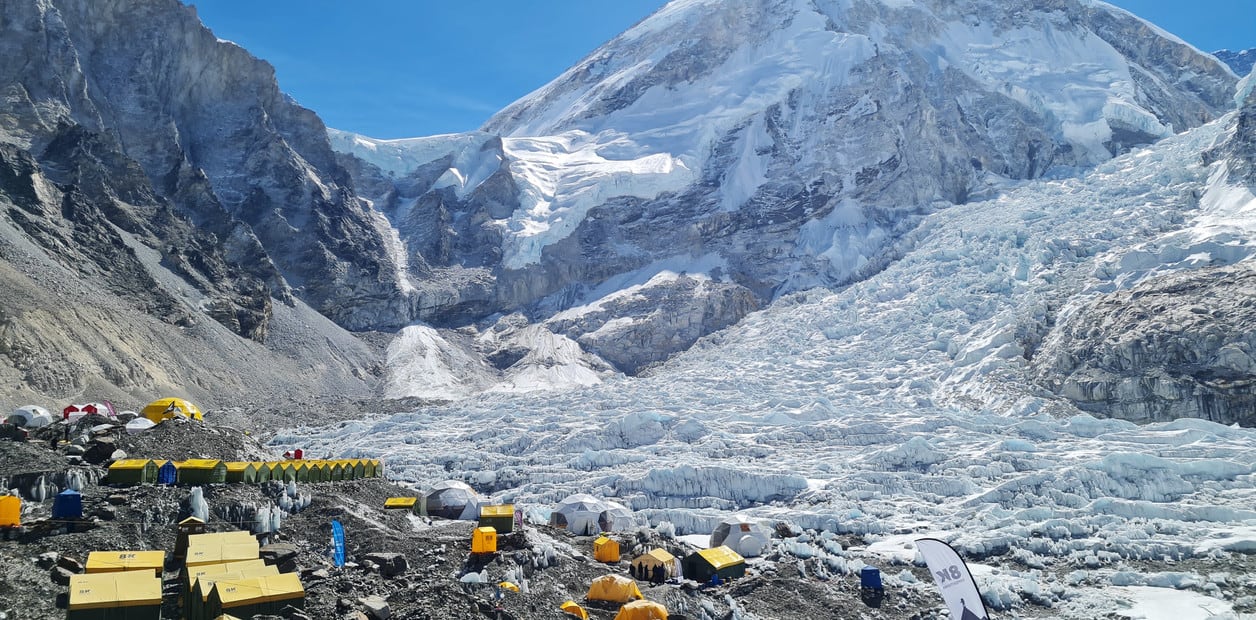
{"x":139,"y":425}
{"x":953,"y":579}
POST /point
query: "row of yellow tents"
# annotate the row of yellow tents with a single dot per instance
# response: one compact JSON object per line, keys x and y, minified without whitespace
{"x":210,"y":471}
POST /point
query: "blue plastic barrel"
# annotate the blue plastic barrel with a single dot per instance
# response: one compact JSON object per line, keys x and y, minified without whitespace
{"x":67,"y":505}
{"x":870,"y":578}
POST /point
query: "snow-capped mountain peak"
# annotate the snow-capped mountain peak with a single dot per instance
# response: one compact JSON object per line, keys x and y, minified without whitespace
{"x":795,"y":140}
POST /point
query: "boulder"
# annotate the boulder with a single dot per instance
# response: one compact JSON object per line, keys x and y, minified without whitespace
{"x":281,"y":555}
{"x":99,"y":451}
{"x":47,"y":560}
{"x":60,"y":576}
{"x":390,"y":564}
{"x":70,"y":564}
{"x":376,"y":607}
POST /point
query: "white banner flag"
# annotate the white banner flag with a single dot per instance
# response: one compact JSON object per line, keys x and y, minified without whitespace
{"x":957,"y":585}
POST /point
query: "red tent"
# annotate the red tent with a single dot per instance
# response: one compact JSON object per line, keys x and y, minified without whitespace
{"x":298,"y":454}
{"x":65,"y":413}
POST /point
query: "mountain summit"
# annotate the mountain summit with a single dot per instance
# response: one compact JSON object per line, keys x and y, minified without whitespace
{"x":713,"y":158}
{"x":767,"y":146}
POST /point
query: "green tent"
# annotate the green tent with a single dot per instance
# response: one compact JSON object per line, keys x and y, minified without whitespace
{"x":722,"y":561}
{"x":201,"y":471}
{"x":263,"y":471}
{"x":238,"y":471}
{"x":133,"y":471}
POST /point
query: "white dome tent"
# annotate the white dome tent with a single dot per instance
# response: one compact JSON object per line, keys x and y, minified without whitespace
{"x":139,"y":425}
{"x":452,"y":499}
{"x":579,"y":514}
{"x":747,"y":537}
{"x":616,"y":518}
{"x":31,"y":416}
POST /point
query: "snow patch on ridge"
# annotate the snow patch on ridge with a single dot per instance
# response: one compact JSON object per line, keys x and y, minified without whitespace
{"x":473,"y":160}
{"x":423,"y":364}
{"x":562,"y":177}
{"x":1079,"y":80}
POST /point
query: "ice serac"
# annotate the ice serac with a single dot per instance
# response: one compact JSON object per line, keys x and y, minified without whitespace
{"x":1177,"y":338}
{"x":795,"y":140}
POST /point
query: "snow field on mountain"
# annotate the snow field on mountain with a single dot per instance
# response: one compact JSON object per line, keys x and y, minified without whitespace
{"x":897,"y":406}
{"x":562,"y":177}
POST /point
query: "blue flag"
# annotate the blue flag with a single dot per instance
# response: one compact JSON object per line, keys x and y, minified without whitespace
{"x":338,"y":542}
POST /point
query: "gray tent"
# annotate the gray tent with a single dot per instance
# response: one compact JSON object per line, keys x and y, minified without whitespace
{"x":31,"y":416}
{"x":747,"y":537}
{"x":579,"y":514}
{"x":452,"y":499}
{"x":616,"y":518}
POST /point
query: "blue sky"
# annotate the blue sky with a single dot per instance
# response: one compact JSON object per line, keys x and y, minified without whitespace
{"x":401,"y":68}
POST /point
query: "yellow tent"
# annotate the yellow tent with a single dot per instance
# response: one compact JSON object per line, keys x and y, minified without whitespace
{"x":613,"y":588}
{"x":572,"y":608}
{"x":642,"y":610}
{"x":484,"y":540}
{"x":644,"y":565}
{"x":190,"y":575}
{"x":201,"y":471}
{"x":198,"y":597}
{"x":506,"y":585}
{"x":221,"y":551}
{"x":605,"y":550}
{"x":406,"y":503}
{"x":257,"y":595}
{"x":166,"y":408}
{"x":133,"y":471}
{"x":723,"y":561}
{"x":241,"y":471}
{"x":10,"y":511}
{"x":138,"y":592}
{"x":119,"y":561}
{"x":500,"y":517}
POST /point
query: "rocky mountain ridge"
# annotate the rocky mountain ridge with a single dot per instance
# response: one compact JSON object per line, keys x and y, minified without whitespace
{"x":598,"y":226}
{"x":1241,"y":61}
{"x":137,"y":163}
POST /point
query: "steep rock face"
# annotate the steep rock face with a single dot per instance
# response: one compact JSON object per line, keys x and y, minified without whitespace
{"x":125,"y":270}
{"x":1240,"y":150}
{"x":208,"y":126}
{"x":1181,"y":345}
